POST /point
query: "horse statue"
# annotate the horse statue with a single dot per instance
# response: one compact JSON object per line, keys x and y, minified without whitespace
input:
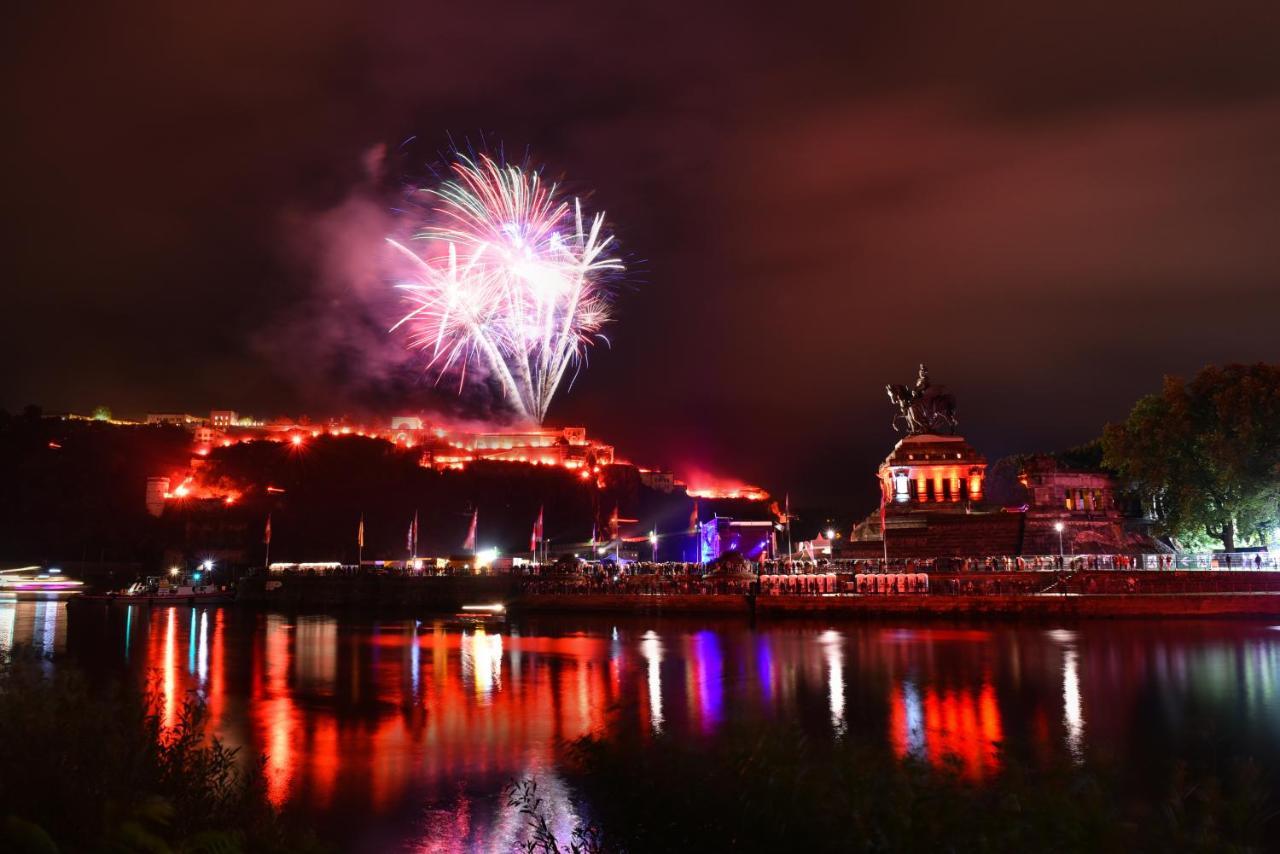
{"x":923,"y":408}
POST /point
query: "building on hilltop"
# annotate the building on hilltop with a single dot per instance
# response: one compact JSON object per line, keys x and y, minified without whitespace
{"x":660,"y":481}
{"x":180,"y":419}
{"x":406,"y":422}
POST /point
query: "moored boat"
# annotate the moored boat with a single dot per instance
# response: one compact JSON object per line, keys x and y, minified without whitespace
{"x":185,"y":590}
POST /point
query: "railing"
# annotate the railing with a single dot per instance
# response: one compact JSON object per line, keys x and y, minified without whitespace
{"x":1235,"y":561}
{"x":652,"y":574}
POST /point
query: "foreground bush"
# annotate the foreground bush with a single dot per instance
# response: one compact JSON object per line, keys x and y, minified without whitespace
{"x":93,"y":770}
{"x":774,"y":789}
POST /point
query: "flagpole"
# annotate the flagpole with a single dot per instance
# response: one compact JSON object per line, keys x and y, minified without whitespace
{"x":266,"y":563}
{"x":884,"y":526}
{"x":790,"y":550}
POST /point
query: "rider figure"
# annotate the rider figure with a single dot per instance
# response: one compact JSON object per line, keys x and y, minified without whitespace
{"x":922,"y":382}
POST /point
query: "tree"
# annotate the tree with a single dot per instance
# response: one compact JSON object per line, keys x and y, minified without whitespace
{"x":1206,"y":454}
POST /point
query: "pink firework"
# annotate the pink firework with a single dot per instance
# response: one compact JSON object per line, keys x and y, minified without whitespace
{"x":509,"y":274}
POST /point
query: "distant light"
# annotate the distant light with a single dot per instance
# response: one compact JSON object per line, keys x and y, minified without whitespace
{"x":173,"y":570}
{"x":831,"y":534}
{"x":495,"y":608}
{"x":297,"y":439}
{"x":486,"y":557}
{"x":207,"y":565}
{"x":195,"y":576}
{"x":1059,"y":527}
{"x":653,"y":537}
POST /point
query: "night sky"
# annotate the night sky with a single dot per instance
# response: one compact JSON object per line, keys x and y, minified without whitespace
{"x":1052,"y":204}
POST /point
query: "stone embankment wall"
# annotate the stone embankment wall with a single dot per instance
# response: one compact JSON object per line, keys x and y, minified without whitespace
{"x":431,"y":593}
{"x":1266,"y":605}
{"x":914,"y":605}
{"x":1031,"y":594}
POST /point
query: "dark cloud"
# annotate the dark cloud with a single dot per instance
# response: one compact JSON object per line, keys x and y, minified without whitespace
{"x":1051,"y":203}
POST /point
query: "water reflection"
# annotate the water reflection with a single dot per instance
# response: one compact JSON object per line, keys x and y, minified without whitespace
{"x":651,"y":649}
{"x":401,"y":733}
{"x":481,"y":661}
{"x":36,"y":620}
{"x":835,"y":677}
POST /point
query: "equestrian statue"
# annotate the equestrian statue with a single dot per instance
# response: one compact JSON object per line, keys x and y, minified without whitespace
{"x":923,"y":408}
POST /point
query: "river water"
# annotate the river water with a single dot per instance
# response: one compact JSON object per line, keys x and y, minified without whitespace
{"x":399,"y":734}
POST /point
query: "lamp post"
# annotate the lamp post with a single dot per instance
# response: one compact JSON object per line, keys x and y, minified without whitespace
{"x":653,"y":545}
{"x":1058,"y":526}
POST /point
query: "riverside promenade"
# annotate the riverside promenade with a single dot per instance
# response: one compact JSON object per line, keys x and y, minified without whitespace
{"x":1021,"y":594}
{"x":1031,"y":606}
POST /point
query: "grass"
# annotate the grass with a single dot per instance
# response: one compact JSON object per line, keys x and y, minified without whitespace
{"x":772,"y":788}
{"x":84,"y":769}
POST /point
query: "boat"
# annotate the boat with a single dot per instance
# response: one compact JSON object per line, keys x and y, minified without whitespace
{"x":162,"y":590}
{"x":472,"y":616}
{"x":32,"y":579}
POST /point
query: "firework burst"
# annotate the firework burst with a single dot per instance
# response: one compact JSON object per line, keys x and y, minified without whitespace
{"x":508,"y":275}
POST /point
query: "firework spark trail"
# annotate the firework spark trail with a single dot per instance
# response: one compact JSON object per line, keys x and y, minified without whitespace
{"x":520,"y":287}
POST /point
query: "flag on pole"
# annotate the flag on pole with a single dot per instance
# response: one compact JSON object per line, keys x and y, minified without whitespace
{"x":469,"y":544}
{"x":613,"y":524}
{"x":412,"y":543}
{"x":360,"y":532}
{"x":693,"y":517}
{"x":536,"y":536}
{"x":266,"y":533}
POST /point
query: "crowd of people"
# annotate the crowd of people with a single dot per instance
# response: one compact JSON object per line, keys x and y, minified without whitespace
{"x":1002,"y":575}
{"x":995,"y":575}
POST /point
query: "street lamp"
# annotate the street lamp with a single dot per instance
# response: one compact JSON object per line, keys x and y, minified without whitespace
{"x":653,"y":543}
{"x":1059,"y":527}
